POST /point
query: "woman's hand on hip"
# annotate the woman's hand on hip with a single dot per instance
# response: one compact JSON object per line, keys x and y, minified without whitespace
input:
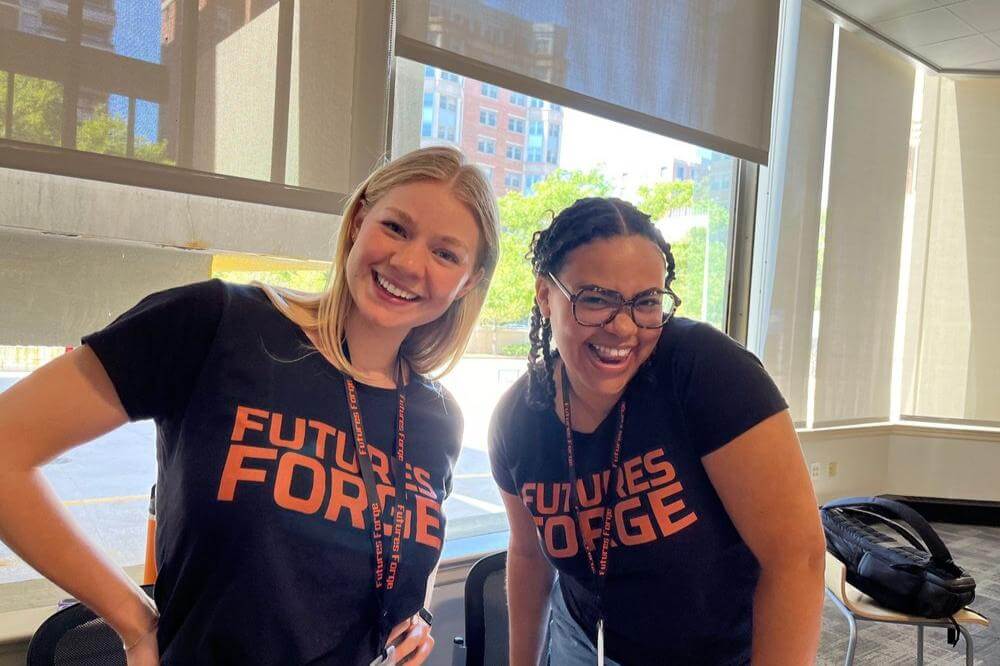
{"x":145,"y":651}
{"x":411,"y":641}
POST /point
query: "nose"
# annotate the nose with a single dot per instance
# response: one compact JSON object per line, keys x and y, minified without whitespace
{"x":622,"y":324}
{"x":408,"y":259}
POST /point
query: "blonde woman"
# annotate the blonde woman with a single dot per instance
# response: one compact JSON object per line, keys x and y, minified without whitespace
{"x":280,"y":416}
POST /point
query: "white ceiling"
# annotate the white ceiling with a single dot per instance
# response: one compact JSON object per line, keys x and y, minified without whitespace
{"x":951,"y":34}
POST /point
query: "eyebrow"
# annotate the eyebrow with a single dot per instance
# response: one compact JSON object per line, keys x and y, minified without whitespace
{"x":406,"y":217}
{"x":599,"y":287}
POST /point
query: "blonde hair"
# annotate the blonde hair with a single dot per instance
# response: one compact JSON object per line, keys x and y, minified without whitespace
{"x":436,"y":345}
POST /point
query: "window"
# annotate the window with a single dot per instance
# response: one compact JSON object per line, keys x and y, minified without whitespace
{"x":487,"y":146}
{"x":518,"y":99}
{"x":535,"y":103}
{"x":613,"y":160}
{"x":487,"y":118}
{"x":487,"y":171}
{"x":447,"y":118}
{"x":449,"y":76}
{"x":543,"y":45}
{"x":126,"y":98}
{"x":491,"y":91}
{"x":427,"y":116}
{"x":429,"y":72}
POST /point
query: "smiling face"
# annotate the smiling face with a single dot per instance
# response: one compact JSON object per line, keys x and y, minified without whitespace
{"x":601,"y":360}
{"x":414,"y":253}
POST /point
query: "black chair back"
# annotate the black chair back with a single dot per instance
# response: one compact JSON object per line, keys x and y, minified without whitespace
{"x":486,"y":640}
{"x":75,"y":635}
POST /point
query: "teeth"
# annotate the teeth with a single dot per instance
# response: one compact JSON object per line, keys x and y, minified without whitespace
{"x":393,"y":289}
{"x":617,"y":353}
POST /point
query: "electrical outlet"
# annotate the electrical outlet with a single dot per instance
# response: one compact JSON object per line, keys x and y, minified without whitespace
{"x":814,"y":470}
{"x":831,"y":469}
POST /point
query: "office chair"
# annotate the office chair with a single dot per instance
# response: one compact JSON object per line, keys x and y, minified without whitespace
{"x":75,"y":635}
{"x":485,"y":641}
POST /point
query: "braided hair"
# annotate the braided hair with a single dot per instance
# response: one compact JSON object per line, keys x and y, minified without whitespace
{"x":588,"y":219}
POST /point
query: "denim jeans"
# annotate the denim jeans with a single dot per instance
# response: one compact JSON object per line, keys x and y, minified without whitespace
{"x":568,"y":642}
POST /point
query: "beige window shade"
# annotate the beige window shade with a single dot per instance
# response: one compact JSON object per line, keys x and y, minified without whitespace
{"x":697,"y":70}
{"x":952,"y":358}
{"x":788,"y":342}
{"x":860,"y":275}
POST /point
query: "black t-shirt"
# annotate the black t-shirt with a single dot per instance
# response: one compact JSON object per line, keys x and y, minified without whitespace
{"x":680,"y":581}
{"x":263,"y":533}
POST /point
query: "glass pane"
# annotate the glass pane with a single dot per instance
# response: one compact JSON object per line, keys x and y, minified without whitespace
{"x":543,"y":157}
{"x":4,"y":85}
{"x":128,"y":90}
{"x":38,"y":108}
{"x":45,"y":19}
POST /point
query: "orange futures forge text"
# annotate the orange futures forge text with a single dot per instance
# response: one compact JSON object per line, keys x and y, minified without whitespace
{"x":648,"y":506}
{"x":266,"y":448}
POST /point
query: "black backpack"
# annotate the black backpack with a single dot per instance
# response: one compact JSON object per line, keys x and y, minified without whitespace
{"x":915,"y":576}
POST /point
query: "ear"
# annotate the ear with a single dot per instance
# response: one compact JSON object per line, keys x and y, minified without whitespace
{"x":359,"y":218}
{"x":543,"y":289}
{"x":470,"y":284}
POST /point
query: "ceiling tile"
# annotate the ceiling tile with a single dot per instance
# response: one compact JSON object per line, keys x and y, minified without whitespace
{"x":962,"y":52}
{"x":993,"y":65}
{"x":929,"y":27}
{"x":872,"y":11}
{"x":983,"y":15}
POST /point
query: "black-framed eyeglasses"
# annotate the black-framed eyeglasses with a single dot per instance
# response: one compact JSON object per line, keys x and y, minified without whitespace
{"x":596,"y":306}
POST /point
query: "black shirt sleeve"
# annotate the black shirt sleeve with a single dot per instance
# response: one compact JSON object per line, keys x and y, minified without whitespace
{"x":723,"y":388}
{"x":154,"y":352}
{"x":497,"y":447}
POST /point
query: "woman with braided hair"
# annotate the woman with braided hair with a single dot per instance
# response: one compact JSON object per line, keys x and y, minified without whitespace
{"x":650,"y":462}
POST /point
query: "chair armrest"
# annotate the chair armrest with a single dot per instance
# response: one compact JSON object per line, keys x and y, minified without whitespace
{"x":458,"y":652}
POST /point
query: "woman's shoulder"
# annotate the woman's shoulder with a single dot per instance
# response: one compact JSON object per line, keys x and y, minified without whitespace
{"x":684,"y":341}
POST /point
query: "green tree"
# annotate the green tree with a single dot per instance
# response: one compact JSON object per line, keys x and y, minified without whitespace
{"x":512,"y":291}
{"x":37,"y":115}
{"x":691,"y":267}
{"x":37,"y":118}
{"x":659,"y":199}
{"x":303,"y":280}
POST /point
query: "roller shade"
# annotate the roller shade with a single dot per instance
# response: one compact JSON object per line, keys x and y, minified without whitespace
{"x":868,"y":166}
{"x":951,"y":360}
{"x":700,"y":71}
{"x":789,"y":328}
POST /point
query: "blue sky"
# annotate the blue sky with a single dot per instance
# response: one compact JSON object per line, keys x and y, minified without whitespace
{"x":137,"y":35}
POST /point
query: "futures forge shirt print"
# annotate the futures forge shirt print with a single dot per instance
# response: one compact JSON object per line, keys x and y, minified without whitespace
{"x":322,"y":478}
{"x":263,"y":523}
{"x":648,"y":504}
{"x":680,"y":580}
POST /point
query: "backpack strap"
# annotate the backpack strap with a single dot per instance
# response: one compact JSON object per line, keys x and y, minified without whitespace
{"x":893,"y":509}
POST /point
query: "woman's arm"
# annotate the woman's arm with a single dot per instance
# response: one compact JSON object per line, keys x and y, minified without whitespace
{"x":762,"y":480}
{"x":64,"y":403}
{"x":529,"y":582}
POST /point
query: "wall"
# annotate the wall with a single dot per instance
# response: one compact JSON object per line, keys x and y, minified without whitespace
{"x":55,"y":289}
